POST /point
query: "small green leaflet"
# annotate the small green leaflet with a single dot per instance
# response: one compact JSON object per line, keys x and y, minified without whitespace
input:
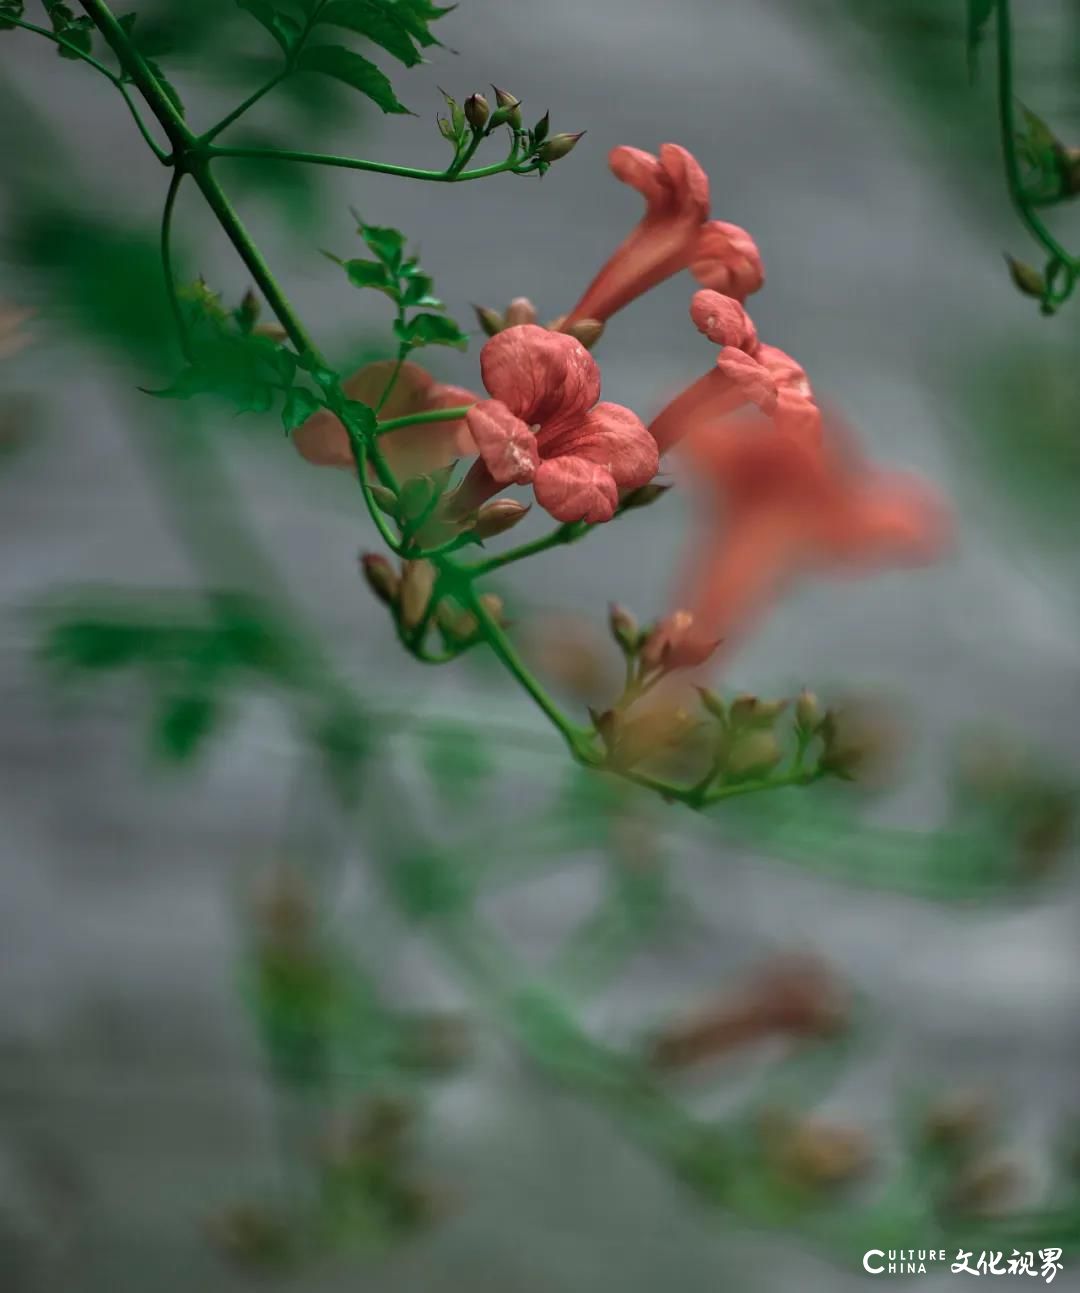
{"x":77,"y":32}
{"x":300,"y":404}
{"x":369,"y":273}
{"x":10,"y":9}
{"x":431,"y":330}
{"x":282,"y":26}
{"x":387,"y":244}
{"x":344,"y":65}
{"x":183,"y":723}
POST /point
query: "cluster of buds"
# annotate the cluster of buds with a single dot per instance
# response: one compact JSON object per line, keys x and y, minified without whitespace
{"x":366,"y":1170}
{"x":653,"y":734}
{"x":795,"y":997}
{"x":411,"y":594}
{"x":814,"y":1155}
{"x":522,"y":311}
{"x":474,"y":120}
{"x":745,"y":745}
{"x":978,"y":1179}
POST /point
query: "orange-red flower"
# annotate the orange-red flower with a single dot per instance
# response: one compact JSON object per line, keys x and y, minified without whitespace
{"x":747,"y":372}
{"x":543,"y":426}
{"x":410,"y":451}
{"x":674,"y":234}
{"x":777,"y":506}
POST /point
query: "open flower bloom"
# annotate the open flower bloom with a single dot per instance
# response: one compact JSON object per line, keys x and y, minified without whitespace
{"x":778,"y":506}
{"x":747,"y":372}
{"x":674,"y":234}
{"x":544,"y":427}
{"x":410,"y":451}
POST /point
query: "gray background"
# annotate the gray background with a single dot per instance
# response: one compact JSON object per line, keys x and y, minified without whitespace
{"x":131,"y":1101}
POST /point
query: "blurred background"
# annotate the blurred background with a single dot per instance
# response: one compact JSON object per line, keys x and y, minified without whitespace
{"x":212,"y":1021}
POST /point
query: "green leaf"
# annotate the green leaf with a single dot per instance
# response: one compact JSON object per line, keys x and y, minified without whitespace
{"x":247,"y":371}
{"x":127,"y":21}
{"x":418,"y":292}
{"x":343,"y":65}
{"x":171,"y":92}
{"x":431,"y":330}
{"x":380,"y":22}
{"x":370,"y":273}
{"x":283,"y":27}
{"x":300,"y":404}
{"x":388,"y":244}
{"x":76,"y":31}
{"x":10,"y":9}
{"x":184,"y":723}
{"x":363,"y":415}
{"x":429,"y":884}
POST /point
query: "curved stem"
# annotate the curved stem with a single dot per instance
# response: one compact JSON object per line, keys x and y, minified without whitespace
{"x":415,"y":419}
{"x":361,"y":164}
{"x":1007,"y":118}
{"x":568,"y":533}
{"x":111,"y":77}
{"x":167,"y":265}
{"x":578,"y":739}
{"x":241,"y":108}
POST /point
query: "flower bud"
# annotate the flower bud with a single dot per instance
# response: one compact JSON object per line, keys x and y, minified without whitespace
{"x":607,"y":726}
{"x":386,"y":500}
{"x":589,"y":332}
{"x":670,"y":644}
{"x":955,"y":1122}
{"x":520,"y":310}
{"x":642,"y":496}
{"x":490,"y":320}
{"x":1026,"y":277}
{"x":983,"y":1186}
{"x":417,"y":584}
{"x":477,"y":111}
{"x":807,"y":712}
{"x":508,"y":110}
{"x":457,"y":627}
{"x":248,"y":313}
{"x":493,"y":604}
{"x":749,"y":711}
{"x":819,"y":1156}
{"x":753,"y":755}
{"x":539,"y":131}
{"x":499,"y":516}
{"x":624,"y":628}
{"x":382,"y":578}
{"x":713,"y":703}
{"x":551,"y":150}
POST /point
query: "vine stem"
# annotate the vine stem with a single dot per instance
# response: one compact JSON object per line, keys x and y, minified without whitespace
{"x":1007,"y":119}
{"x":241,"y":108}
{"x":362,"y":164}
{"x":175,"y":181}
{"x":414,"y":419}
{"x":151,"y":143}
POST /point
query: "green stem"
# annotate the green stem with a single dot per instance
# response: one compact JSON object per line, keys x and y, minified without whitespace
{"x":415,"y":419}
{"x":114,"y":80}
{"x":167,"y":266}
{"x":1007,"y":117}
{"x":578,"y":739}
{"x":241,"y":108}
{"x":568,"y":533}
{"x":360,"y":164}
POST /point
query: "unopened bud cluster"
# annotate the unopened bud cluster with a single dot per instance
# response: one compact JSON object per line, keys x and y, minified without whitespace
{"x":521,"y":310}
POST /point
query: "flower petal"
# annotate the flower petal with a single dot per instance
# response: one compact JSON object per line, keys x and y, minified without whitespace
{"x":612,"y":437}
{"x":540,"y":376}
{"x":727,"y":260}
{"x":640,"y":170}
{"x":688,"y":184}
{"x":505,"y":443}
{"x":751,"y":379}
{"x":574,"y":489}
{"x":723,"y":320}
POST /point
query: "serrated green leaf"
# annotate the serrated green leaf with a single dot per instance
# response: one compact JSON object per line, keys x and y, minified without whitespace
{"x":171,"y":93}
{"x":344,"y":65}
{"x":418,"y":292}
{"x":388,"y":244}
{"x":363,"y":415}
{"x":76,"y":31}
{"x":370,"y":273}
{"x":431,"y":330}
{"x":380,"y":22}
{"x":299,"y":405}
{"x":281,"y":26}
